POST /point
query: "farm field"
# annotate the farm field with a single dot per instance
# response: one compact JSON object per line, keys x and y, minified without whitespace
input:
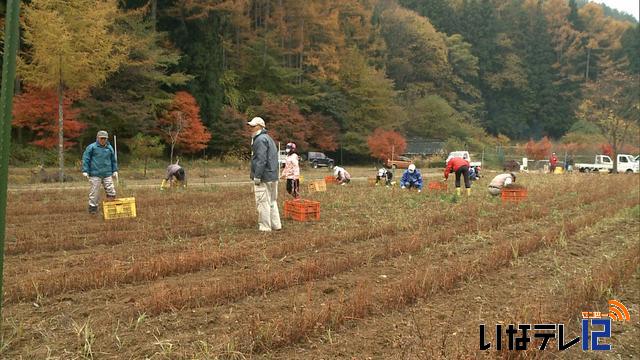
{"x":385,"y":274}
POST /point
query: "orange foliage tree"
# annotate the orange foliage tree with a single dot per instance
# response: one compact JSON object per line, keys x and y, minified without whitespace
{"x":181,"y":126}
{"x":539,"y":150}
{"x":606,"y":149}
{"x":383,"y":143}
{"x":286,"y":123}
{"x":37,"y":110}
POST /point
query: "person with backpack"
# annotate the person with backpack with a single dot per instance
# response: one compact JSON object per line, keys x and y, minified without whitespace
{"x":99,"y":166}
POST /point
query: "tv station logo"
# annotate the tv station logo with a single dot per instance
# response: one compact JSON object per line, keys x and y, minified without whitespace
{"x":596,"y":329}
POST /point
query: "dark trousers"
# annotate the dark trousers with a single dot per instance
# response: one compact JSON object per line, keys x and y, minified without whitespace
{"x":293,"y":187}
{"x":464,"y":171}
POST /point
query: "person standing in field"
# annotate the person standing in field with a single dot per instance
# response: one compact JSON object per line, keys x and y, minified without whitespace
{"x":99,"y":165}
{"x":499,"y":182}
{"x":264,"y":173}
{"x":291,"y":170}
{"x":553,"y":162}
{"x":460,"y":167}
{"x":411,"y":178}
{"x":175,"y":173}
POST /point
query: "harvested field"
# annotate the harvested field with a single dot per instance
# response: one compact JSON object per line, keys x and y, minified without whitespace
{"x":384,"y":274}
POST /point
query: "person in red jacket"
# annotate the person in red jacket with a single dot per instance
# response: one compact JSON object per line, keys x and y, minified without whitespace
{"x":459,"y":166}
{"x":553,"y":161}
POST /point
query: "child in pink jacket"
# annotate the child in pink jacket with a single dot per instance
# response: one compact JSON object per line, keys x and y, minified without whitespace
{"x":291,"y":170}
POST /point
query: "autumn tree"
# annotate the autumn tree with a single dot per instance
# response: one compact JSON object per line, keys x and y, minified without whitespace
{"x":181,"y":126}
{"x":386,"y":144}
{"x":36,"y":110}
{"x":130,"y":99}
{"x":612,"y":106}
{"x":538,"y":150}
{"x":71,"y":46}
{"x":287,"y":123}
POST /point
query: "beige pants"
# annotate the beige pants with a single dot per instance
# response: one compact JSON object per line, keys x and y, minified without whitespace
{"x":494,"y":191}
{"x":94,"y":193}
{"x":267,"y":205}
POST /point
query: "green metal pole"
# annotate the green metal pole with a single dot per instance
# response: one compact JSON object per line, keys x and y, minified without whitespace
{"x":6,"y":105}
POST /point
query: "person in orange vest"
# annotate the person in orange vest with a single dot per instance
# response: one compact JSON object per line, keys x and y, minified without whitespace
{"x":553,"y":161}
{"x":460,"y":167}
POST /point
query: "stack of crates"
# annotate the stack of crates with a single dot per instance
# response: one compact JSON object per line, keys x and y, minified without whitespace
{"x":438,"y":186}
{"x":302,"y":210}
{"x":120,"y":208}
{"x":513,"y":195}
{"x":317,"y":186}
{"x":330,"y":180}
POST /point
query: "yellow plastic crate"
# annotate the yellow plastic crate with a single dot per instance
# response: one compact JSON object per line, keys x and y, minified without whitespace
{"x":120,"y":208}
{"x":317,"y":186}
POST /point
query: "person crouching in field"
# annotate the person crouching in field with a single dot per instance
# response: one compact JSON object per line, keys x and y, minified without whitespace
{"x":264,"y":173}
{"x":342,"y":176}
{"x":384,"y":175}
{"x":291,"y":170}
{"x":99,"y":165}
{"x":411,"y":178}
{"x":499,"y":182}
{"x":175,"y":173}
{"x":461,"y":168}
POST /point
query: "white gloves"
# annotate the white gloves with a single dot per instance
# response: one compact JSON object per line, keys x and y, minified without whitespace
{"x":115,"y":174}
{"x":85,"y":175}
{"x":419,"y":190}
{"x":257,"y":181}
{"x":402,"y":187}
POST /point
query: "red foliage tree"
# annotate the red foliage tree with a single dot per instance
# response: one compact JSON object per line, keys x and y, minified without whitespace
{"x":37,"y":110}
{"x":606,"y":149}
{"x":181,"y":126}
{"x":382,"y":143}
{"x":540,"y":150}
{"x":286,"y":123}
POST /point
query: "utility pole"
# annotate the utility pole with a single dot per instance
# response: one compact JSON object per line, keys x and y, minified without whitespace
{"x":6,"y":104}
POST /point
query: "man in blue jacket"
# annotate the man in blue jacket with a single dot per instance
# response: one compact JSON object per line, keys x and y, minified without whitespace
{"x":99,"y":165}
{"x":411,"y":178}
{"x":264,"y":173}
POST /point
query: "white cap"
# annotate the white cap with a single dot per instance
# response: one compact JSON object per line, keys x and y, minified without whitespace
{"x":256,"y":121}
{"x":412,"y":167}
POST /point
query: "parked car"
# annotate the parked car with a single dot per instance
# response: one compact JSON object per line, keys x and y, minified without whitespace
{"x":318,"y":159}
{"x":401,"y":162}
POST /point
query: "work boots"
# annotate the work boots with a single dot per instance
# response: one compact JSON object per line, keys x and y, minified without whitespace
{"x":93,"y":210}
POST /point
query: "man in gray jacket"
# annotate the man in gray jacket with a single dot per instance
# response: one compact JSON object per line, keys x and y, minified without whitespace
{"x":264,"y":173}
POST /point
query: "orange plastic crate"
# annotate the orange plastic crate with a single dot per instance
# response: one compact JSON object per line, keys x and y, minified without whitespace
{"x":330,"y":180}
{"x":302,"y":210}
{"x":438,"y":186}
{"x":513,"y":195}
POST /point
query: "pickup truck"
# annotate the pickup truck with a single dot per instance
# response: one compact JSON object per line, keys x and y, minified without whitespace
{"x":603,"y":163}
{"x":465,"y":155}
